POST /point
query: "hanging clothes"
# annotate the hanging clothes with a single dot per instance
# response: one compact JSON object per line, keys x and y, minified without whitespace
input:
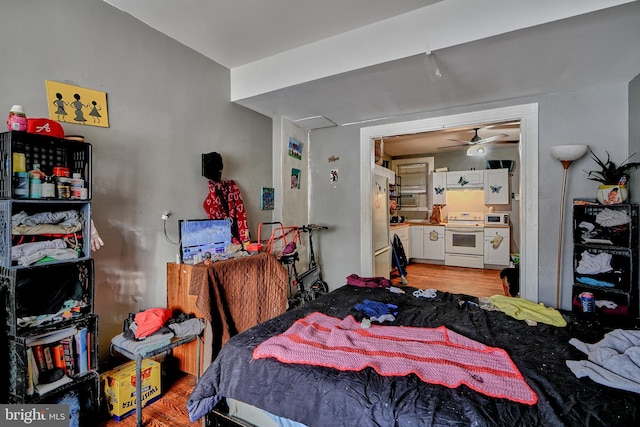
{"x":225,"y":201}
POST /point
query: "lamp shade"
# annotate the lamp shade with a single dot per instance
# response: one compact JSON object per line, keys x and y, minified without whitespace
{"x":568,"y":152}
{"x":476,"y":150}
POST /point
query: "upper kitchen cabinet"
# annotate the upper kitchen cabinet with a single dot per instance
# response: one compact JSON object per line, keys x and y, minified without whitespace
{"x":414,"y":173}
{"x":496,"y":187}
{"x":465,"y":179}
{"x":439,"y":194}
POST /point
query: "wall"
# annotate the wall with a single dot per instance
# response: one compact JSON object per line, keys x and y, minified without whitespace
{"x":291,"y":204}
{"x":634,"y":133}
{"x":167,"y":105}
{"x":597,"y":116}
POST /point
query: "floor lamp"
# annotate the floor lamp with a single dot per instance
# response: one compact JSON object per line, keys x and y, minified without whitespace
{"x":567,"y":154}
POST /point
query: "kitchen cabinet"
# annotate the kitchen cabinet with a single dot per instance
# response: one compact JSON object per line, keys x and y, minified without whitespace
{"x":403,"y":233}
{"x":427,"y":242}
{"x":465,"y":179}
{"x":605,"y":262}
{"x":394,"y":195}
{"x":439,"y":191}
{"x":496,"y":187}
{"x":433,"y":242}
{"x":417,"y":242}
{"x":497,"y":246}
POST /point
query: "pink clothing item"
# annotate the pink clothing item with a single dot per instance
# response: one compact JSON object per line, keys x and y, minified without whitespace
{"x":436,"y":355}
{"x":368,"y":282}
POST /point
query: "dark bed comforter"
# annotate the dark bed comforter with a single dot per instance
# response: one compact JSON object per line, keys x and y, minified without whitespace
{"x":318,"y":396}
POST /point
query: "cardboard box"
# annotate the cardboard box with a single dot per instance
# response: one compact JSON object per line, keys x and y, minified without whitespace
{"x":119,"y":386}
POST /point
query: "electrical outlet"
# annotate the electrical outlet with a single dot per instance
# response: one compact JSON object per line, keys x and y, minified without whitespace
{"x":165,"y":216}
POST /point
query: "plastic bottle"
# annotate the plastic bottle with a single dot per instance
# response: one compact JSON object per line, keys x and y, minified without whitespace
{"x":48,"y":188}
{"x":17,"y":120}
{"x":77,"y":184}
{"x":63,"y":186}
{"x":20,"y":176}
{"x":35,"y":182}
{"x":21,"y":186}
{"x":35,"y":187}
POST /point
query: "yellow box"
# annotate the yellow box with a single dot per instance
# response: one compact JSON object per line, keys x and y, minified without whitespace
{"x":119,"y":386}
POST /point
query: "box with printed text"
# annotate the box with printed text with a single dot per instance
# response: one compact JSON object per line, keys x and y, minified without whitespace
{"x":119,"y":386}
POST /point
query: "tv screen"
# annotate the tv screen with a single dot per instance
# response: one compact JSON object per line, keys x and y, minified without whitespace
{"x":199,"y":236}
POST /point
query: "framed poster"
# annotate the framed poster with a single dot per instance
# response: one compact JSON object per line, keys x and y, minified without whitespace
{"x":266,"y":198}
{"x":75,"y":104}
{"x":295,"y":178}
{"x":295,"y":148}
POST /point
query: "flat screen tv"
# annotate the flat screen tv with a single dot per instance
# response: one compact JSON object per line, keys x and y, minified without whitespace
{"x":199,"y":236}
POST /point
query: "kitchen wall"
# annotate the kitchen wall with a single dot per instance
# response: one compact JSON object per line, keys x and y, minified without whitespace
{"x":167,"y":105}
{"x":473,"y":200}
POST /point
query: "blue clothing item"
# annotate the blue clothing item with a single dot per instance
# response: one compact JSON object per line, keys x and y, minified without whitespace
{"x":376,"y":308}
{"x":594,"y":282}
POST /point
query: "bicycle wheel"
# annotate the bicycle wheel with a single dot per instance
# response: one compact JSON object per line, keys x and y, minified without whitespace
{"x":317,"y":289}
{"x":294,"y":302}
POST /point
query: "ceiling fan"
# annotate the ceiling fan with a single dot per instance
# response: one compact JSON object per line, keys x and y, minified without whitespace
{"x":475,"y":140}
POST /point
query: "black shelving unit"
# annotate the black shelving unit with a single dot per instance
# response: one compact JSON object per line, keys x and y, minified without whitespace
{"x":605,"y":262}
{"x":394,"y":192}
{"x":49,"y":301}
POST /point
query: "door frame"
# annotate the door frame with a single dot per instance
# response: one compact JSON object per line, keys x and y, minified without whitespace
{"x":527,"y":114}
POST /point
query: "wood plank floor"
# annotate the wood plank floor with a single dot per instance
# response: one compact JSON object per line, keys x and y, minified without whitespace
{"x":170,"y":409}
{"x":457,"y":280}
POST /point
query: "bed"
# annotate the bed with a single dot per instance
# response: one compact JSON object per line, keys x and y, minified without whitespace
{"x":324,"y":396}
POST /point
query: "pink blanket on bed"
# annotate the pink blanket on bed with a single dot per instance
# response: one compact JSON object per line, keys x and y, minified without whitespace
{"x":437,"y":356}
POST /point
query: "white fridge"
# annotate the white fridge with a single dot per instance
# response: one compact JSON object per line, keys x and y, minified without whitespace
{"x":382,"y":177}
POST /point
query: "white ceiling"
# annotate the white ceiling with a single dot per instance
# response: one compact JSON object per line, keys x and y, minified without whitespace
{"x":345,"y":61}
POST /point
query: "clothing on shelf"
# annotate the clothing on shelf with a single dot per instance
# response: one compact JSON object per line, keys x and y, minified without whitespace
{"x":594,"y":263}
{"x":611,"y":218}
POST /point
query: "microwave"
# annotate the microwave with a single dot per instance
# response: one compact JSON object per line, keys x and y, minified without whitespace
{"x":408,"y":201}
{"x":496,"y":219}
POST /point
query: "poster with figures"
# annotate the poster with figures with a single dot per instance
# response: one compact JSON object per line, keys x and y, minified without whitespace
{"x":75,"y":104}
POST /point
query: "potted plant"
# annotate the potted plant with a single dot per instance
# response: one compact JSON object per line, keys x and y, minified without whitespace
{"x":613,"y":179}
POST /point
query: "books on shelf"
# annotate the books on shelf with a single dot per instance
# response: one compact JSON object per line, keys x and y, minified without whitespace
{"x":81,"y":350}
{"x":67,"y":350}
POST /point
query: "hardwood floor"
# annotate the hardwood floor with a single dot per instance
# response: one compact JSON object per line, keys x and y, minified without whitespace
{"x":170,"y":409}
{"x":457,"y":280}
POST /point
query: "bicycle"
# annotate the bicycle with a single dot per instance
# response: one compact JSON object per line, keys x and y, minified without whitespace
{"x":309,"y":284}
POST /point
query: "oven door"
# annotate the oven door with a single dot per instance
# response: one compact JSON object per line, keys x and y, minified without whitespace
{"x":464,"y":240}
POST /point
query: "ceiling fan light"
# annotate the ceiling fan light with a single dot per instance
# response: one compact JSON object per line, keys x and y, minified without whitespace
{"x":476,"y":150}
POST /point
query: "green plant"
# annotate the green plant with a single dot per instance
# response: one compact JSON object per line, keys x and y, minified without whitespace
{"x":609,"y":172}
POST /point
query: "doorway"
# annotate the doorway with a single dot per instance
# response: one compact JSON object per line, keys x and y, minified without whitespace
{"x":528,"y":152}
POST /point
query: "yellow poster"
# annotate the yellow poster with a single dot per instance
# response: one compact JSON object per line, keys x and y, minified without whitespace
{"x":75,"y":104}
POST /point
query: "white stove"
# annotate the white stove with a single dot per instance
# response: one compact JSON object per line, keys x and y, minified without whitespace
{"x":464,"y":239}
{"x":468,"y":219}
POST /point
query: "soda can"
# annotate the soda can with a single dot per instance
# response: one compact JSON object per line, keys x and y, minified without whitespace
{"x":588,"y":302}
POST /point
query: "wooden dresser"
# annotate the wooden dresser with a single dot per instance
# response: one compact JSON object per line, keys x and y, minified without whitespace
{"x":178,"y":298}
{"x":231,"y":295}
